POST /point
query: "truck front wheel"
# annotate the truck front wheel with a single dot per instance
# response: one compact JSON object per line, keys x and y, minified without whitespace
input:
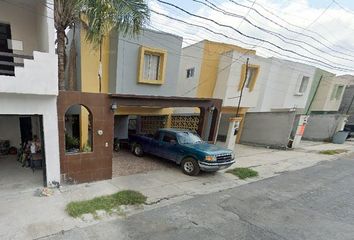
{"x":137,"y":149}
{"x":190,"y":166}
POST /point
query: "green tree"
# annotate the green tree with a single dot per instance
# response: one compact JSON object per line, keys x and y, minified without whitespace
{"x":100,"y":18}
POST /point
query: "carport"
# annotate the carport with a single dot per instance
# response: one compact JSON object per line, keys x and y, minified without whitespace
{"x":125,"y":163}
{"x":209,"y":109}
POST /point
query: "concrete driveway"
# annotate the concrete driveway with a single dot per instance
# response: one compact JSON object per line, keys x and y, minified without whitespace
{"x":125,"y":163}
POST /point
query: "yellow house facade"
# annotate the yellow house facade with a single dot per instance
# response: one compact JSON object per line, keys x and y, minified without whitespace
{"x":217,"y":70}
{"x":147,"y":64}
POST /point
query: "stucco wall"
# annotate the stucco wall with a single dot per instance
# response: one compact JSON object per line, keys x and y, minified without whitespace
{"x":229,"y":77}
{"x":224,"y":126}
{"x":323,"y":100}
{"x":268,"y":129}
{"x":28,"y":23}
{"x":46,"y":106}
{"x":192,"y":57}
{"x":280,"y":86}
{"x":10,"y":130}
{"x":323,"y":83}
{"x":347,"y":107}
{"x":126,"y":69}
{"x":321,"y":127}
{"x":38,"y":76}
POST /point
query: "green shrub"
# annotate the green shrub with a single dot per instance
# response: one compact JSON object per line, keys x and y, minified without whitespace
{"x":107,"y":203}
{"x":243,"y":173}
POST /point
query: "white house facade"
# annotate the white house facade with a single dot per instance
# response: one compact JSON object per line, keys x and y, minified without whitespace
{"x":28,"y":81}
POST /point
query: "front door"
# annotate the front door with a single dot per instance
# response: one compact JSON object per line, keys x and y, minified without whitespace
{"x":5,"y":34}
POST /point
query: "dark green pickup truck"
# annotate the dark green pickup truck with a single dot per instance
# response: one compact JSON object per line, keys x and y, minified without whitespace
{"x":185,"y":148}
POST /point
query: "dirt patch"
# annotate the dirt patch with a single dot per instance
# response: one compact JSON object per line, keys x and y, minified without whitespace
{"x":125,"y":163}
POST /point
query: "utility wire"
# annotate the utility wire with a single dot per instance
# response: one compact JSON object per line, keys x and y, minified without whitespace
{"x":248,"y":13}
{"x":251,"y":37}
{"x":296,"y":26}
{"x":319,"y":16}
{"x":284,"y":27}
{"x":315,"y":61}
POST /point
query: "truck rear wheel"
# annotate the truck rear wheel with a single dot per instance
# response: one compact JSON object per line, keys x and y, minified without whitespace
{"x":137,"y":150}
{"x":190,"y":166}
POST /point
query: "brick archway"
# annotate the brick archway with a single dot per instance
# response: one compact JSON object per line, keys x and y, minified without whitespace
{"x":95,"y":165}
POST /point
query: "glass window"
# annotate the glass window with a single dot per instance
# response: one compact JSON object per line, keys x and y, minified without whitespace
{"x":157,"y":136}
{"x":249,"y":77}
{"x":251,"y":74}
{"x":190,"y":72}
{"x":168,"y":137}
{"x":151,"y":66}
{"x":188,"y":138}
{"x":339,"y":92}
{"x":303,"y":85}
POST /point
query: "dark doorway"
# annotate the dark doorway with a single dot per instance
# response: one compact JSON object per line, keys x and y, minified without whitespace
{"x":26,"y":129}
{"x":23,"y":164}
{"x":5,"y":60}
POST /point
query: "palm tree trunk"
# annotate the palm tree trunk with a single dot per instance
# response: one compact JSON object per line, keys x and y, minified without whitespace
{"x":61,"y":58}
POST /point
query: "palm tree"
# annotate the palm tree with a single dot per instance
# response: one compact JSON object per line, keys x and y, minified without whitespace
{"x":100,"y":18}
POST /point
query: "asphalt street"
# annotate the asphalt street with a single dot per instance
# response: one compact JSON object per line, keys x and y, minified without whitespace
{"x":312,"y":203}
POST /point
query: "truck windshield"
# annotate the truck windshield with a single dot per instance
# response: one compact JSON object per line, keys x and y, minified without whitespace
{"x":188,"y":138}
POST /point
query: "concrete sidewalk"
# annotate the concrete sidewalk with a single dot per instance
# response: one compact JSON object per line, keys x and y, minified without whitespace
{"x":25,"y":216}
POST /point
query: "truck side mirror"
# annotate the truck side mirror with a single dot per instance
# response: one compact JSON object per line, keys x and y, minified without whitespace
{"x":173,"y":142}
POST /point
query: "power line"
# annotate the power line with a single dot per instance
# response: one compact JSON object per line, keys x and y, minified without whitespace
{"x":344,"y":8}
{"x":237,"y":60}
{"x":268,"y":49}
{"x":319,"y":16}
{"x":288,"y":29}
{"x":294,"y":25}
{"x":278,"y":35}
{"x":251,"y":37}
{"x":239,"y":26}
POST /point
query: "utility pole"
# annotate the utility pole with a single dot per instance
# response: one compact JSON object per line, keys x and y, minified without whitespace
{"x":243,"y":86}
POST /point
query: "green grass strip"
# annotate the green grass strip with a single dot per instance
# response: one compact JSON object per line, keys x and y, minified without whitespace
{"x":333,"y":152}
{"x":243,"y":173}
{"x":107,"y":203}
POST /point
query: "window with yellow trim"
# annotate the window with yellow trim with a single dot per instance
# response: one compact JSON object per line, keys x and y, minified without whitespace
{"x":249,"y":81}
{"x":152,"y":65}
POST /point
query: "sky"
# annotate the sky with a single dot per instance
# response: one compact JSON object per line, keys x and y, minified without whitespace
{"x":315,"y":32}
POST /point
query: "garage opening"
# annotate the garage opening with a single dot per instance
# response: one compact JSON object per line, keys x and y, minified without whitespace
{"x":146,"y":121}
{"x":21,"y":152}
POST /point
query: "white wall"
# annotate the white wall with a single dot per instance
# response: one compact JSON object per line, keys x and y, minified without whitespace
{"x":39,"y":76}
{"x":10,"y":130}
{"x":24,"y":18}
{"x":29,"y":24}
{"x":280,"y":87}
{"x":229,"y":77}
{"x":192,"y":57}
{"x":21,"y":104}
{"x":323,"y":101}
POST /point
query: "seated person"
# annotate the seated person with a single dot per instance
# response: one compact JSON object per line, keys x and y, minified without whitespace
{"x":35,"y":148}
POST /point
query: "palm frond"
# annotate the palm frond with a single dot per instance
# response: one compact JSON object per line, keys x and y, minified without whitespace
{"x":102,"y":16}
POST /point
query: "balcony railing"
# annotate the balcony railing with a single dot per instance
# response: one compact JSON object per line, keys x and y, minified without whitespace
{"x":8,"y":62}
